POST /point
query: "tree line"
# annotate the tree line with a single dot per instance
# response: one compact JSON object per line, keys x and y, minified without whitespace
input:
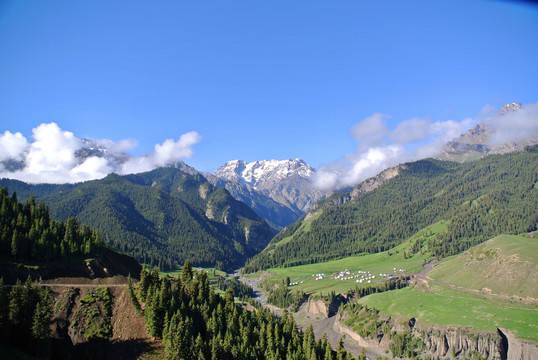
{"x":25,"y":314}
{"x":194,"y":322}
{"x":28,"y":233}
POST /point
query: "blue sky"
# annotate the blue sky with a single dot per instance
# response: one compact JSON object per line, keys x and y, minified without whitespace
{"x":259,"y":79}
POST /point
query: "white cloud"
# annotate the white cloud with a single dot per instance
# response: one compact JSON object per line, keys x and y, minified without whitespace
{"x":52,"y":151}
{"x":171,"y":151}
{"x":514,"y":126}
{"x":116,"y":147}
{"x":371,"y":131}
{"x":371,"y":162}
{"x":411,"y":131}
{"x":168,"y":152}
{"x":92,"y":168}
{"x":52,"y":156}
{"x":380,"y":148}
{"x":12,"y":146}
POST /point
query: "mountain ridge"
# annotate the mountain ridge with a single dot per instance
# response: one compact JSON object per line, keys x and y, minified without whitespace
{"x":285,"y":181}
{"x":162,"y":217}
{"x":421,"y":193}
{"x":476,"y":142}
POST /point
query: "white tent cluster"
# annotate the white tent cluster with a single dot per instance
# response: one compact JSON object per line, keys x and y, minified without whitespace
{"x":360,"y":276}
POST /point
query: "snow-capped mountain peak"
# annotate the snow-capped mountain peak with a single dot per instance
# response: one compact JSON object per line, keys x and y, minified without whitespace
{"x":259,"y":172}
{"x":285,"y":181}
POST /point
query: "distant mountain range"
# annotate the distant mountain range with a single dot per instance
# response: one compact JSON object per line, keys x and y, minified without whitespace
{"x":175,"y":213}
{"x":285,"y":181}
{"x":162,"y":217}
{"x":278,"y":190}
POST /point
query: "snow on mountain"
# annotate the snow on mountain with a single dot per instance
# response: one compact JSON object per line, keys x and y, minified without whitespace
{"x":258,"y":173}
{"x":285,"y":181}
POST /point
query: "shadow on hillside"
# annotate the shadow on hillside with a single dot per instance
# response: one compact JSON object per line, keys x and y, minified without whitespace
{"x":102,"y":349}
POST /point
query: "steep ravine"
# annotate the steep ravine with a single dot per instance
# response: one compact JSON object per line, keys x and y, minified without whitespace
{"x":83,"y":328}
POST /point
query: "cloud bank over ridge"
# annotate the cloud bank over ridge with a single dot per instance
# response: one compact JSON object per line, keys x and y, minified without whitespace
{"x":58,"y":156}
{"x":379,"y":147}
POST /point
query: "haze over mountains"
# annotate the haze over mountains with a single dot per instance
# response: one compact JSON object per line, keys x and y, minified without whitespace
{"x":493,"y":136}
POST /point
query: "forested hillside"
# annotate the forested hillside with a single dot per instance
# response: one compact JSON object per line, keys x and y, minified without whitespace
{"x":28,"y":232}
{"x":479,"y":200}
{"x":29,"y":238}
{"x":162,"y":217}
{"x":196,"y":323}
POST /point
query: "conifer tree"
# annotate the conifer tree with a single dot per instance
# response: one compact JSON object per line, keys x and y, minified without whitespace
{"x":41,"y":324}
{"x":132,"y":296}
{"x":186,"y":273}
{"x":16,"y":245}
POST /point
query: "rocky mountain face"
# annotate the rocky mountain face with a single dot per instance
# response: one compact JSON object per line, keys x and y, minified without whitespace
{"x":285,"y":181}
{"x":91,"y":148}
{"x":475,"y":143}
{"x":277,"y":215}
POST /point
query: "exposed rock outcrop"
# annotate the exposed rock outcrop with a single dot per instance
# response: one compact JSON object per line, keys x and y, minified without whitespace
{"x":285,"y":181}
{"x":316,"y":307}
{"x":477,"y":141}
{"x":518,"y":349}
{"x":445,"y":341}
{"x":364,"y":187}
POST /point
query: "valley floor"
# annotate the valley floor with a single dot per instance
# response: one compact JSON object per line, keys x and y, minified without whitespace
{"x":428,"y":300}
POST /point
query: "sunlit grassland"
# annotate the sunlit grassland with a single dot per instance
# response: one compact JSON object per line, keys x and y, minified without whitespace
{"x":445,"y":306}
{"x":380,"y":263}
{"x":506,"y":264}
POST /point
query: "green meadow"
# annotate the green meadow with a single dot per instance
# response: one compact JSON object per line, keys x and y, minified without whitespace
{"x":444,"y":306}
{"x":380,"y":263}
{"x":506,"y":264}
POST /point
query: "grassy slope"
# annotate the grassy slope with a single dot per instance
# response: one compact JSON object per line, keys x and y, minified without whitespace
{"x":452,"y":307}
{"x":506,"y":264}
{"x":305,"y":227}
{"x":375,"y":263}
{"x":513,"y":256}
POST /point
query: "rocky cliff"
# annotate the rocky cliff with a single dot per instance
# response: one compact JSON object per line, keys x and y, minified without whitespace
{"x":273,"y":212}
{"x":438,"y":341}
{"x":517,"y":349}
{"x":443,"y":341}
{"x":285,"y":181}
